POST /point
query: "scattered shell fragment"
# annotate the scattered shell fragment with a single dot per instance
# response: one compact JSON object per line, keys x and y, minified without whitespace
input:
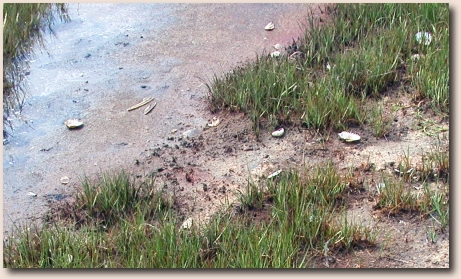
{"x":296,"y":55}
{"x":278,"y":46}
{"x":192,"y":133}
{"x":417,"y":56}
{"x":214,"y":122}
{"x":144,"y":102}
{"x":73,"y":123}
{"x":328,"y":66}
{"x":64,"y":180}
{"x":150,"y":108}
{"x":32,"y":194}
{"x":269,"y":26}
{"x":349,"y":137}
{"x":274,"y":174}
{"x":423,"y":38}
{"x":187,"y":224}
{"x":275,"y":54}
{"x":147,"y":110}
{"x":278,"y":133}
{"x":397,"y":171}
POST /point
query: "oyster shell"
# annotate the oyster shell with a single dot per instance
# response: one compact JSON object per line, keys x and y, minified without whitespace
{"x":349,"y":137}
{"x":214,"y":122}
{"x":278,"y":133}
{"x":269,"y":26}
{"x":73,"y":123}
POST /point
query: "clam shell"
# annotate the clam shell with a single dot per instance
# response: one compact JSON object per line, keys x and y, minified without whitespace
{"x":349,"y":137}
{"x":73,"y":123}
{"x":278,"y":133}
{"x":215,"y":122}
{"x":269,"y":26}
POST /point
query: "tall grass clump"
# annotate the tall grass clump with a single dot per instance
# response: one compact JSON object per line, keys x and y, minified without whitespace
{"x":422,"y":189}
{"x":116,"y":196}
{"x":431,"y":73}
{"x":24,"y":29}
{"x":114,"y":222}
{"x":266,"y":88}
{"x":304,"y":207}
{"x":364,"y":50}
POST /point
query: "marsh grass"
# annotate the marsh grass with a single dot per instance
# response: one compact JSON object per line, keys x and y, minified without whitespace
{"x":369,"y":48}
{"x":431,"y":180}
{"x":380,"y":121}
{"x":122,"y":228}
{"x":119,"y":196}
{"x":289,"y":220}
{"x":24,"y":28}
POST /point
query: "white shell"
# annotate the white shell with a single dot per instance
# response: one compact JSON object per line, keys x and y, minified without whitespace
{"x":73,"y":123}
{"x":278,"y":46}
{"x":278,"y":133}
{"x":275,"y":174}
{"x":32,"y":194}
{"x":215,"y":122}
{"x":192,"y":133}
{"x":423,"y":38}
{"x":187,"y":224}
{"x":275,"y":54}
{"x":349,"y":137}
{"x":150,"y":108}
{"x":269,"y":26}
{"x":417,"y":56}
{"x":64,"y":180}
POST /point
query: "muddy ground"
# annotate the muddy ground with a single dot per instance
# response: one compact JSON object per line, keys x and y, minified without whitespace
{"x":106,"y":60}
